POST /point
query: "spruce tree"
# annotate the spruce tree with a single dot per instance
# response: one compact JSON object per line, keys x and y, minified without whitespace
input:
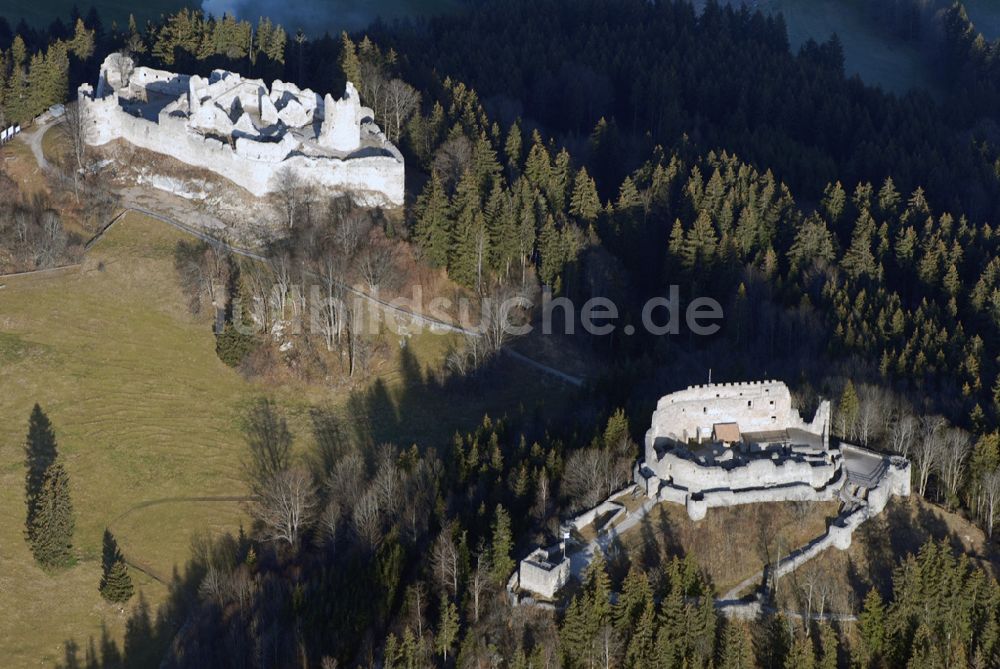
{"x":801,"y":655}
{"x":116,"y":584}
{"x":872,"y":629}
{"x":847,"y":409}
{"x":40,"y":453}
{"x":501,"y":547}
{"x":828,"y":640}
{"x":53,"y":524}
{"x":641,"y":649}
{"x":700,"y":244}
{"x":859,"y":259}
{"x":585,"y":204}
{"x":434,"y":228}
{"x":513,"y":149}
{"x":448,"y":628}
{"x":736,"y":651}
{"x":350,"y":65}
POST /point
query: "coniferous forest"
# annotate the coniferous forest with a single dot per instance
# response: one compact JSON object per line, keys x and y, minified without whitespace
{"x":597,"y":149}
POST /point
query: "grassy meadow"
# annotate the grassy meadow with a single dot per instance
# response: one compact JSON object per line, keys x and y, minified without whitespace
{"x":147,"y":422}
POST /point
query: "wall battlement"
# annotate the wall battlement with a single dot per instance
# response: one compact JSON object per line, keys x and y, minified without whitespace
{"x":255,"y":136}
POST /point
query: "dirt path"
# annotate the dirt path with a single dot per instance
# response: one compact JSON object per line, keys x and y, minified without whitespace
{"x":33,"y":138}
{"x":145,"y":567}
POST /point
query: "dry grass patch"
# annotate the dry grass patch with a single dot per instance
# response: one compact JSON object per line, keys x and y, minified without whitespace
{"x":730,"y":544}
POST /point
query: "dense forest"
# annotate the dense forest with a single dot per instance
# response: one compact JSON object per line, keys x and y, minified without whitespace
{"x":613,"y":151}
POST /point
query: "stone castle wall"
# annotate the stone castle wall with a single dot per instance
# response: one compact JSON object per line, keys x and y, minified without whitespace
{"x":757,"y":406}
{"x":373,"y":175}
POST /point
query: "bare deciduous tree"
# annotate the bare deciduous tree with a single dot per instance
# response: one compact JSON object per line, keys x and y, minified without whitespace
{"x":401,"y":101}
{"x":452,"y":159}
{"x":329,"y":521}
{"x":377,"y":261}
{"x":347,"y":481}
{"x":289,"y":194}
{"x":927,"y":450}
{"x":286,"y":506}
{"x":74,"y":130}
{"x":591,"y":475}
{"x":446,"y":561}
{"x":903,"y":433}
{"x":479,"y":581}
{"x":991,"y":500}
{"x":955,"y":450}
{"x":367,"y":519}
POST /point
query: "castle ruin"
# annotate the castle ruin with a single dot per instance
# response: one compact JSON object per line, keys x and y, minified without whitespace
{"x":260,"y":138}
{"x":727,"y":444}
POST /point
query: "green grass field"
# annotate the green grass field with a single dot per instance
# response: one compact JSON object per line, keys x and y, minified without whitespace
{"x":147,"y":417}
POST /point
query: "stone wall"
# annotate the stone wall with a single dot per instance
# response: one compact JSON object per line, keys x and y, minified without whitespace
{"x":756,"y":473}
{"x":544,"y":572}
{"x":373,"y":175}
{"x":757,"y":406}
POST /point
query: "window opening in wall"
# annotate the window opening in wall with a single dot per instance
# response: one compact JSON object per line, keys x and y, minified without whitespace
{"x":749,"y":403}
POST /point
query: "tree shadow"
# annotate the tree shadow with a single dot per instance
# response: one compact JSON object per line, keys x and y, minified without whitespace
{"x":426,"y":408}
{"x":148,"y":636}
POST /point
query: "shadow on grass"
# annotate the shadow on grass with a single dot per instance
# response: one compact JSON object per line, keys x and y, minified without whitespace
{"x":148,"y":636}
{"x":428,"y":408}
{"x":901,"y":530}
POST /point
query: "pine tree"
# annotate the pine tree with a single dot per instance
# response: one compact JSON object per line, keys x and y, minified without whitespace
{"x":888,"y":198}
{"x":847,"y":409}
{"x":501,"y":547}
{"x":538,"y":166}
{"x":828,"y":639}
{"x":628,"y":196}
{"x":513,"y":149}
{"x":471,"y":247}
{"x":859,"y":260}
{"x":872,"y":628}
{"x":553,"y":255}
{"x":801,"y":655}
{"x":116,"y":584}
{"x":52,"y":527}
{"x":82,"y":44}
{"x":597,"y":584}
{"x":813,"y":244}
{"x":834,"y":199}
{"x":349,"y":63}
{"x":39,"y":454}
{"x":448,"y":628}
{"x":585,"y":204}
{"x":700,"y":244}
{"x":17,"y":98}
{"x":434,"y":228}
{"x":736,"y":648}
{"x":641,"y":649}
